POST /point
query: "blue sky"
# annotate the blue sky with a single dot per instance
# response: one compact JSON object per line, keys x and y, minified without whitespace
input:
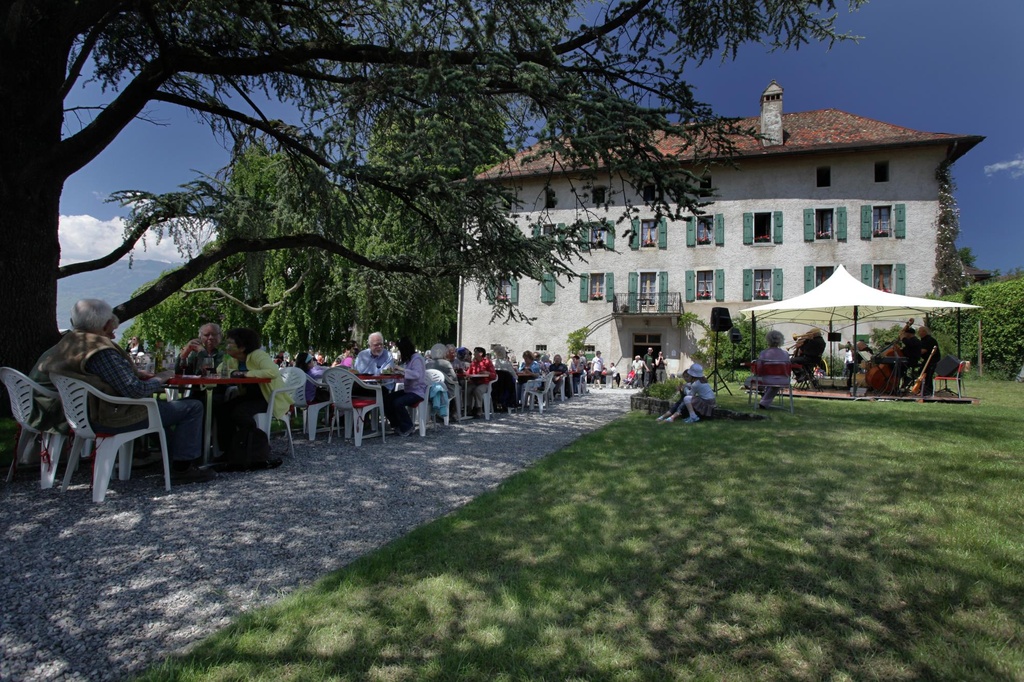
{"x":934,"y":65}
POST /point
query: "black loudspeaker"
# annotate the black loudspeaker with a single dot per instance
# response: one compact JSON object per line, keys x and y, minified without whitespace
{"x":835,"y":337}
{"x":720,"y":320}
{"x":735,"y":335}
{"x":947,"y":366}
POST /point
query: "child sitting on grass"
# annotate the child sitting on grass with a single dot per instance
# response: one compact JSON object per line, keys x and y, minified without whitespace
{"x":697,"y":397}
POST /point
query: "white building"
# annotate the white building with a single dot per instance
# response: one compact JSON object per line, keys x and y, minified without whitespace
{"x":823,"y":188}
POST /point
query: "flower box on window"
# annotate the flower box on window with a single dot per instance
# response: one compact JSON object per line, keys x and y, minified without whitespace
{"x":763,"y":239}
{"x":648,"y":242}
{"x":880,"y":233}
{"x":761,"y":294}
{"x":596,"y":297}
{"x":502,"y":297}
{"x":824,"y":235}
{"x":704,"y":295}
{"x":703,"y":240}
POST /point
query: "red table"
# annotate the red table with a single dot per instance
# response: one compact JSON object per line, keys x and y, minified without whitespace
{"x":205,"y":383}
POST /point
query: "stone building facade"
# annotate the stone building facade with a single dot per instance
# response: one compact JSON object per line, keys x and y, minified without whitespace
{"x":822,"y":188}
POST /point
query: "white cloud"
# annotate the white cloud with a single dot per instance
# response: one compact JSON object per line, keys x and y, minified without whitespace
{"x":83,"y":237}
{"x":1015,"y":167}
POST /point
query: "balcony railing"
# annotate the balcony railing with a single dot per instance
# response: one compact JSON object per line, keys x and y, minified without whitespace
{"x":670,"y":303}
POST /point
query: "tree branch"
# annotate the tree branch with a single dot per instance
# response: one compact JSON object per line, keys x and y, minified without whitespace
{"x":117,"y":254}
{"x":265,"y":308}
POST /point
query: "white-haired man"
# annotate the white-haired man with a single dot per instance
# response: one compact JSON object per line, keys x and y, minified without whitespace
{"x":206,"y":345}
{"x":375,"y":358}
{"x":88,"y":353}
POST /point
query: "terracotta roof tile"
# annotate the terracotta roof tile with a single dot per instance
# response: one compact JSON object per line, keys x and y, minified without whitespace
{"x":820,"y":131}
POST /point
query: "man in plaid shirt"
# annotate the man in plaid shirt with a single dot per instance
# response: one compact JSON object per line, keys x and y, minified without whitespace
{"x":87,"y":353}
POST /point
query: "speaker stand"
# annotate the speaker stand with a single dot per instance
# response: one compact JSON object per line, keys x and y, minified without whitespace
{"x":716,"y":375}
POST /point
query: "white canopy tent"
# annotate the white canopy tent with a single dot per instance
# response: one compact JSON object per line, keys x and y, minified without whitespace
{"x":842,"y":300}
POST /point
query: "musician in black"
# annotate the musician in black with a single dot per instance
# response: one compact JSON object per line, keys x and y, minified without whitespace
{"x":807,"y":355}
{"x":912,"y":351}
{"x":928,"y":343}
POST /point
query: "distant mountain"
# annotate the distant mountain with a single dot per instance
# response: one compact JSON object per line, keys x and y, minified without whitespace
{"x":114,"y":285}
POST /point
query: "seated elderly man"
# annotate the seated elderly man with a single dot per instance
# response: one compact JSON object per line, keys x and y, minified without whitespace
{"x":205,"y":346}
{"x":88,"y":353}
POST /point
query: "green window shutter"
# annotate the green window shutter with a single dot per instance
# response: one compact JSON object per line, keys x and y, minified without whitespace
{"x":585,"y":246}
{"x":841,"y":223}
{"x":719,"y":285}
{"x":777,"y":284}
{"x":609,"y":286}
{"x":609,"y":236}
{"x":634,"y":241}
{"x":634,"y":285}
{"x":662,"y":292}
{"x":748,"y":284}
{"x":491,"y":292}
{"x":748,"y":228}
{"x":900,"y":275}
{"x":560,"y":231}
{"x":865,"y":222}
{"x":547,"y":288}
{"x":663,"y":234}
{"x":808,"y":278}
{"x":536,"y":230}
{"x":777,"y":227}
{"x":691,"y":231}
{"x":808,"y":224}
{"x":865,"y":274}
{"x":901,"y":221}
{"x":515,"y":292}
{"x":720,"y":229}
{"x":584,"y":288}
{"x":691,"y":286}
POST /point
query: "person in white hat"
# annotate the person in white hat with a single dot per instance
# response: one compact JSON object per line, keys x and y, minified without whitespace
{"x":696,"y":395}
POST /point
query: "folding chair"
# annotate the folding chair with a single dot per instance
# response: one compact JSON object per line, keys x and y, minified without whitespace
{"x":945,"y":374}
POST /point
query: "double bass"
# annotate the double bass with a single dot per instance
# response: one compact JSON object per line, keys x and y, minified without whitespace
{"x":880,"y":375}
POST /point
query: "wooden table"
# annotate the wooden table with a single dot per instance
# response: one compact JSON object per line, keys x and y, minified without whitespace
{"x":206,"y":383}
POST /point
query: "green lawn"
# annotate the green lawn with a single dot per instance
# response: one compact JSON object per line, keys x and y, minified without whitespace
{"x":850,"y":541}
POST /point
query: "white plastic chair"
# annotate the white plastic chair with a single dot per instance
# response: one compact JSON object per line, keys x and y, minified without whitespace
{"x":310,"y":413}
{"x":23,"y":392}
{"x":294,"y":382}
{"x":74,"y":396}
{"x":340,"y":382}
{"x":538,"y":394}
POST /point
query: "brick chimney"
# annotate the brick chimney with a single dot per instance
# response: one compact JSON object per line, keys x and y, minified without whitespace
{"x":771,"y":115}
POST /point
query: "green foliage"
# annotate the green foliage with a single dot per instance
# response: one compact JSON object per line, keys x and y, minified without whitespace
{"x":664,"y":390}
{"x":577,"y":340}
{"x":1001,"y":321}
{"x":949,"y":268}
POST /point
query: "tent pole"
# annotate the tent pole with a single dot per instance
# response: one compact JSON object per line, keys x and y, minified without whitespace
{"x":853,"y":383}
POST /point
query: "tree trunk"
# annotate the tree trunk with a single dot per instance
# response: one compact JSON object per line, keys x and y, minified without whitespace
{"x":28,"y":271}
{"x":31,"y":115}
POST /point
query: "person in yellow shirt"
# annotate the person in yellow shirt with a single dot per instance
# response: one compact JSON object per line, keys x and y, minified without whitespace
{"x":245,"y":357}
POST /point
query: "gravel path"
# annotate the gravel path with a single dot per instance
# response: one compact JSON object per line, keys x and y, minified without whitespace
{"x":101,"y":591}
